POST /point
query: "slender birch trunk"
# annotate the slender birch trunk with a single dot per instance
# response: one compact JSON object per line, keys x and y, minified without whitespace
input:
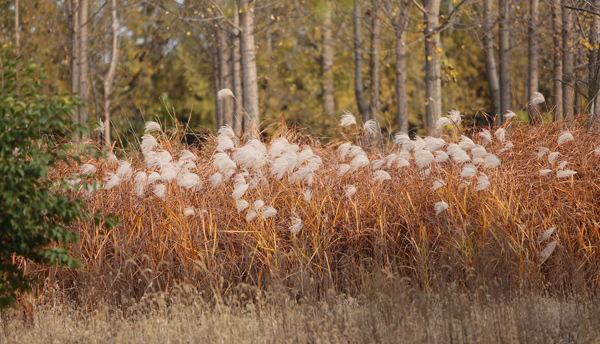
{"x":557,"y":66}
{"x":504,"y":57}
{"x":490,"y":59}
{"x":110,"y":75}
{"x":374,"y":60}
{"x":238,"y":119}
{"x":327,"y":64}
{"x":433,"y":70}
{"x":567,"y":41}
{"x":401,"y":73}
{"x":532,"y":70}
{"x":250,"y":78}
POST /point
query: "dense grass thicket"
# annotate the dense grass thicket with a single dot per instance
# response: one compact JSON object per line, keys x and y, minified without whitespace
{"x":515,"y":209}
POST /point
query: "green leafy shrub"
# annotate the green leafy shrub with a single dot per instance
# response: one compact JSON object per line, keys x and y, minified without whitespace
{"x":35,"y":210}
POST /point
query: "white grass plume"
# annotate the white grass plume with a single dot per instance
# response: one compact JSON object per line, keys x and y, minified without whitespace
{"x":377,"y":164}
{"x":168,"y":173}
{"x":224,"y":164}
{"x":358,"y":162}
{"x":508,"y":145}
{"x":455,"y":116}
{"x":140,"y":182}
{"x":438,"y":183}
{"x":111,"y":158}
{"x":224,"y":93}
{"x":440,"y":207}
{"x":547,"y":234}
{"x":390,"y":159}
{"x":597,"y":151}
{"x":250,"y":215}
{"x":348,"y":119}
{"x":159,"y":191}
{"x":258,"y":205}
{"x":224,"y":143}
{"x":490,"y":160}
{"x":434,"y":143}
{"x":152,"y":126}
{"x":442,"y":122}
{"x":460,"y":156}
{"x":124,"y":171}
{"x":189,"y":211}
{"x":500,"y":134}
{"x":344,"y":149}
{"x":483,"y":182}
{"x":279,"y":146}
{"x":441,"y":156}
{"x":565,"y":173}
{"x":468,"y":171}
{"x":268,"y":212}
{"x":486,"y":136}
{"x":478,"y":153}
{"x":239,"y":191}
{"x":87,"y":169}
{"x":552,"y":157}
{"x":562,"y":165}
{"x":509,"y":115}
{"x":165,"y":157}
{"x":372,"y":128}
{"x":241,"y":205}
{"x":350,"y":190}
{"x":466,"y":143}
{"x":403,"y":163}
{"x":423,"y":158}
{"x":565,"y":137}
{"x":253,"y":155}
{"x":307,"y":195}
{"x":547,"y":251}
{"x":536,"y":99}
{"x":356,"y":150}
{"x":541,"y":152}
{"x":400,"y":138}
{"x":189,"y":181}
{"x":111,"y":181}
{"x":216,"y":179}
{"x":296,"y":225}
{"x":152,"y":177}
{"x":148,"y":144}
{"x":381,"y":175}
{"x":344,"y":168}
{"x":186,"y":155}
{"x":545,"y":172}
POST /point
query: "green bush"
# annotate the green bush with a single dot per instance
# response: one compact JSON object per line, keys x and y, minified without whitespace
{"x":35,"y":210}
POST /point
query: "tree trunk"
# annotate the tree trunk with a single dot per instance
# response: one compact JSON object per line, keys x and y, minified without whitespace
{"x":75,"y":65}
{"x":250,"y":78}
{"x":490,"y":59}
{"x":359,"y":91}
{"x":217,"y":76}
{"x":567,"y":41}
{"x":374,"y":60}
{"x":557,"y":49}
{"x":238,"y":119}
{"x":401,"y":74}
{"x":327,"y":66}
{"x":225,"y":70}
{"x":504,"y":57}
{"x":83,"y":61}
{"x":17,"y":33}
{"x":110,"y":75}
{"x":594,"y":69}
{"x":433,"y":70}
{"x":532,"y":70}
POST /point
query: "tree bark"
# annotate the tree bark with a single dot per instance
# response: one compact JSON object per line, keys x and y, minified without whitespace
{"x":83,"y":61}
{"x":110,"y":75}
{"x":594,"y":69}
{"x":216,"y":52}
{"x":557,"y":52}
{"x":567,"y":41}
{"x":490,"y":59}
{"x":504,"y":57}
{"x":17,"y":33}
{"x":401,"y":74}
{"x":250,"y":78}
{"x":359,"y":91}
{"x":532,"y":70}
{"x":374,"y":60}
{"x":75,"y":40}
{"x":238,"y":119}
{"x":225,"y":70}
{"x":433,"y":70}
{"x":327,"y":64}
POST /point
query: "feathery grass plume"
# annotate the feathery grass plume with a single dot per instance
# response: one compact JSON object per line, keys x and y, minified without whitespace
{"x":468,"y":171}
{"x":547,"y":251}
{"x":565,"y":173}
{"x":455,"y":116}
{"x":403,"y":163}
{"x":279,"y":146}
{"x":282,"y":165}
{"x":124,"y":171}
{"x":111,"y":158}
{"x":350,"y":190}
{"x":189,"y":181}
{"x":224,"y":143}
{"x":463,"y":185}
{"x":148,"y":144}
{"x":296,"y":225}
{"x":226,"y":130}
{"x":185,"y":156}
{"x":536,"y":99}
{"x":490,"y":160}
{"x":423,"y":158}
{"x":390,"y":159}
{"x":152,"y":126}
{"x":478,"y":153}
{"x":483,"y":182}
{"x":508,"y":145}
{"x":562,"y":165}
{"x":87,"y":169}
{"x":216,"y":179}
{"x":460,"y":156}
{"x":509,"y":115}
{"x":404,"y":155}
{"x":377,"y":164}
{"x":344,"y":149}
{"x":258,"y":205}
{"x":112,"y":180}
{"x":165,"y":157}
{"x":152,"y":160}
{"x":152,"y":177}
{"x":372,"y":128}
{"x":307,"y":195}
{"x":547,"y":234}
{"x":189,"y":211}
{"x":500,"y":134}
{"x":552,"y":157}
{"x":159,"y":191}
{"x":344,"y":168}
{"x":541,"y":152}
{"x":268,"y":212}
{"x":250,"y":215}
{"x":239,"y":191}
{"x":565,"y":137}
{"x":438,"y":183}
{"x":185,"y":166}
{"x":441,"y":156}
{"x":418,"y":144}
{"x":466,"y":143}
{"x":486,"y":136}
{"x":381,"y":175}
{"x":306,"y":172}
{"x":597,"y":151}
{"x":348,"y":119}
{"x":140,"y":182}
{"x":544,"y":172}
{"x":439,"y":207}
{"x":224,"y":164}
{"x":433,"y":143}
{"x":238,"y":180}
{"x":224,"y":93}
{"x":251,"y":156}
{"x":305,"y":154}
{"x":442,"y":122}
{"x":241,"y":205}
{"x":426,"y":172}
{"x":356,"y":150}
{"x":400,"y":138}
{"x":168,"y":173}
{"x":358,"y":162}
